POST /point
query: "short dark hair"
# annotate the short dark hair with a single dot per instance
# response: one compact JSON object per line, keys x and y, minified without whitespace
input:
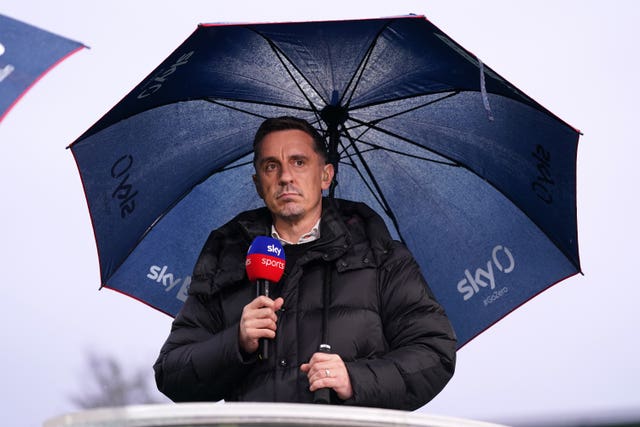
{"x":275,"y":124}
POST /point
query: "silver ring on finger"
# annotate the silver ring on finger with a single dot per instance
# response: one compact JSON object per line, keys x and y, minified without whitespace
{"x":327,"y":373}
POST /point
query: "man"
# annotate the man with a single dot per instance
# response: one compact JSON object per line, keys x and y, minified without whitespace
{"x":392,"y":344}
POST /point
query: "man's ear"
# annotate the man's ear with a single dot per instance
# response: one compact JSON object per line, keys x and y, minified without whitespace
{"x":256,"y":182}
{"x":327,"y":176}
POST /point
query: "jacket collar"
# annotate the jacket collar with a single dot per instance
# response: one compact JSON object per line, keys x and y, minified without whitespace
{"x":352,"y":236}
{"x":258,"y":222}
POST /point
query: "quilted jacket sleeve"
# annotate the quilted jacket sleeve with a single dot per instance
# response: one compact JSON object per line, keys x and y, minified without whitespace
{"x":201,"y":359}
{"x":422,"y":343}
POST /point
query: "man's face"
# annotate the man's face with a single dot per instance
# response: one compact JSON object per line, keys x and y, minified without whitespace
{"x":290,"y":175}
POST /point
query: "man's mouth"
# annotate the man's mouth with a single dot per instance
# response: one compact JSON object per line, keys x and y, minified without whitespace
{"x":287,"y":194}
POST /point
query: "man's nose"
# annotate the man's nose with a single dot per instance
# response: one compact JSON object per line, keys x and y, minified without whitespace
{"x":285,"y":174}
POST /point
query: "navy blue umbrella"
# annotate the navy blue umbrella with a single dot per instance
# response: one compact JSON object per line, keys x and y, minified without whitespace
{"x":476,"y":177}
{"x":26,"y":54}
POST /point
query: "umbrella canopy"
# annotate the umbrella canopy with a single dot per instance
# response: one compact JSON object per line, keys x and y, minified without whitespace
{"x":26,"y":54}
{"x":472,"y":174}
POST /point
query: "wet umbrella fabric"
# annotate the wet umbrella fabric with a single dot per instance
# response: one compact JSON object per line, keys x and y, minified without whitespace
{"x":26,"y":54}
{"x":476,"y":177}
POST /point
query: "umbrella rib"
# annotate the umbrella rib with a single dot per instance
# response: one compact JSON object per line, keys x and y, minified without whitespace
{"x":353,"y":164}
{"x":374,"y":147}
{"x":357,"y":76}
{"x":460,"y":164}
{"x":184,"y":194}
{"x":417,"y":107}
{"x":372,"y":125}
{"x":220,"y":101}
{"x":446,"y":94}
{"x":227,"y":168}
{"x":382,"y":200}
{"x":241,"y":110}
{"x":280,"y":55}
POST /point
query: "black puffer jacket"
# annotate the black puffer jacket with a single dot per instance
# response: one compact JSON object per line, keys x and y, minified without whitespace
{"x":395,"y":339}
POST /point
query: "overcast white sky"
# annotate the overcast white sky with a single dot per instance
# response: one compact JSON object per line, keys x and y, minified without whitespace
{"x":572,"y":351}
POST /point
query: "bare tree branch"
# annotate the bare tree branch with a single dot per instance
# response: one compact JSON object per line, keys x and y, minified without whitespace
{"x":106,"y":384}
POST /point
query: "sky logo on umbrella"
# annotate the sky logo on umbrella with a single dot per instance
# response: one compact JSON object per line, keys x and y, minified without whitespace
{"x":124,"y":193}
{"x":162,"y":276}
{"x":161,"y":77}
{"x":503,"y":261}
{"x":544,"y":182}
{"x":7,"y":69}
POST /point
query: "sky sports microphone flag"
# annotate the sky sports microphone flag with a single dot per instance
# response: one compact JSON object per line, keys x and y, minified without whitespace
{"x":26,"y":54}
{"x":265,"y":260}
{"x":265,"y":264}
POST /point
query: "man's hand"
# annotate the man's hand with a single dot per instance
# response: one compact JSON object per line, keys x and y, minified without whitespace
{"x":258,"y":321}
{"x":326,"y":370}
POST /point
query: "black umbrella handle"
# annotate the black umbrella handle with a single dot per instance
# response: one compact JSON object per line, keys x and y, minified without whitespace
{"x":323,"y":395}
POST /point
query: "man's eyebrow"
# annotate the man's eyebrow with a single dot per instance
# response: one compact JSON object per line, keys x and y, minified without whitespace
{"x":299,"y":156}
{"x":267,"y":159}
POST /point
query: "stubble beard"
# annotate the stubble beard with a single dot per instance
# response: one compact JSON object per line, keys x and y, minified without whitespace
{"x":291,"y":212}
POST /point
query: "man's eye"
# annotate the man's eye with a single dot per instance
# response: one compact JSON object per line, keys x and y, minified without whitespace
{"x":299,"y":162}
{"x":270,"y":167}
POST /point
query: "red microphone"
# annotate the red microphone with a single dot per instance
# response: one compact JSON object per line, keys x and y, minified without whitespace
{"x":265,"y":264}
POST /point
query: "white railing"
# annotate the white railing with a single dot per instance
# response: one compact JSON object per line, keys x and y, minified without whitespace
{"x":253,"y":414}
